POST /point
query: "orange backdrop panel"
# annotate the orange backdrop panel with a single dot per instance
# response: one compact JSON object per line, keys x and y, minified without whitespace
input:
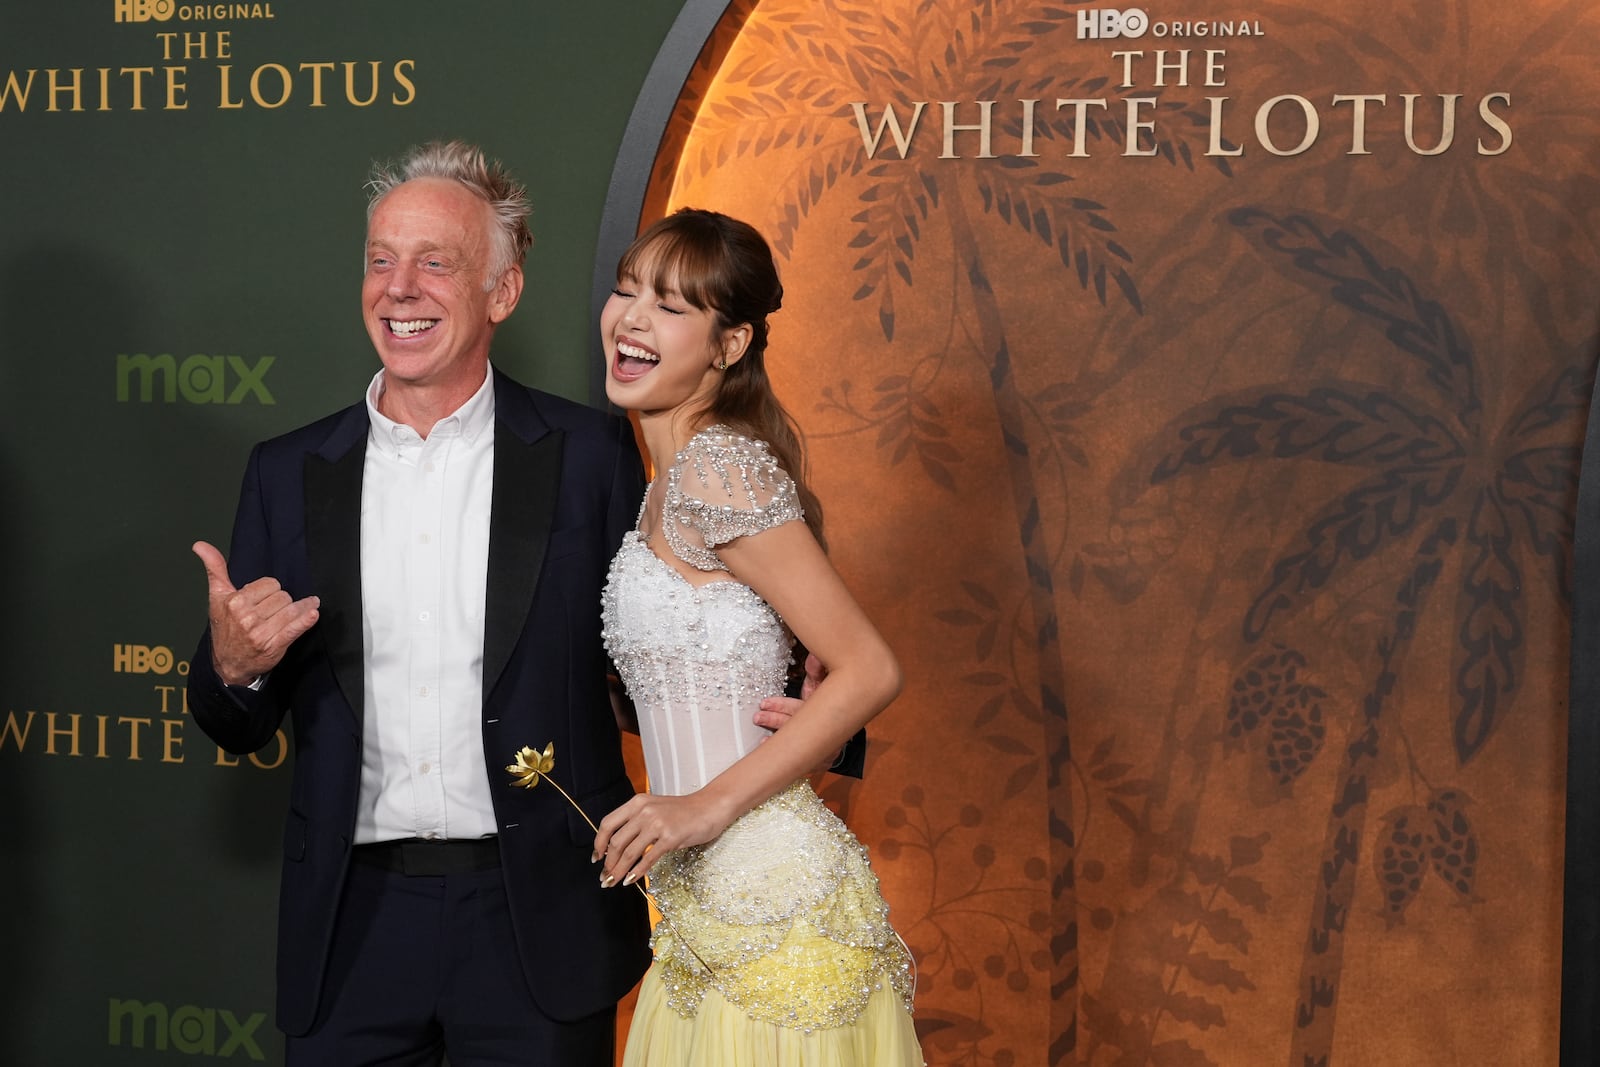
{"x":1198,"y":418}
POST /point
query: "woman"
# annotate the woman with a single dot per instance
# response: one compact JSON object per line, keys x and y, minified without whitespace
{"x":776,"y":947}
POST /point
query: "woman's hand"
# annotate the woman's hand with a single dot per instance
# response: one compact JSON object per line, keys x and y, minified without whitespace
{"x":635,"y":835}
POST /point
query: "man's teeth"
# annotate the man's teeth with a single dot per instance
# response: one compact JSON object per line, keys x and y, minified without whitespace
{"x":633,"y":352}
{"x":411,"y":328}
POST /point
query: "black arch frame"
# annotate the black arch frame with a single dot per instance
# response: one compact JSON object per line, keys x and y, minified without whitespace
{"x":1580,"y":909}
{"x":630,"y":175}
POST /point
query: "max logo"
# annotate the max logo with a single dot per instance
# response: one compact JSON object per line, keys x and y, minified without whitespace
{"x":187,"y":1029}
{"x":198,"y":379}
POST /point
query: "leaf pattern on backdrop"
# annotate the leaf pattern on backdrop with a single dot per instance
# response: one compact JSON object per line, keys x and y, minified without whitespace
{"x":977,"y":926}
{"x":1449,"y":512}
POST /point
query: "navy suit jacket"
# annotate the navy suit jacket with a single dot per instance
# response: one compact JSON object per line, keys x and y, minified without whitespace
{"x":567,"y":485}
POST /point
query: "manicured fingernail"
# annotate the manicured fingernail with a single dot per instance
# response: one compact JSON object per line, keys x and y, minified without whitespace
{"x":607,"y":881}
{"x":629,"y":879}
{"x":594,"y":857}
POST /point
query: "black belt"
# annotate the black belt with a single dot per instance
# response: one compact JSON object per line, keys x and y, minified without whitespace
{"x":432,"y":859}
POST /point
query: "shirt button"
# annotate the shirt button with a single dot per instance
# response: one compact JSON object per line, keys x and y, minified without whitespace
{"x":424,"y":615}
{"x":423,"y":539}
{"x":425,"y":768}
{"x":423,"y":691}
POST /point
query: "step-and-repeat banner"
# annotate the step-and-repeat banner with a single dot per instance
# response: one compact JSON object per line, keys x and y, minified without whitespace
{"x":181,"y":246}
{"x":1196,"y":392}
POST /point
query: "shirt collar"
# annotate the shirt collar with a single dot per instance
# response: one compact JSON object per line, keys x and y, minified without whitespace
{"x":471,"y":419}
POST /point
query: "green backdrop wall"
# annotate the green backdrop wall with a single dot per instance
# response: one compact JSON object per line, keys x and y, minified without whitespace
{"x":223,"y":242}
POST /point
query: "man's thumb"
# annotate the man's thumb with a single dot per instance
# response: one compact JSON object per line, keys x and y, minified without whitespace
{"x":216,"y":566}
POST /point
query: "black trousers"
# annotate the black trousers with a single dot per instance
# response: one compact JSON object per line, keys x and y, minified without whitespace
{"x":426,"y":965}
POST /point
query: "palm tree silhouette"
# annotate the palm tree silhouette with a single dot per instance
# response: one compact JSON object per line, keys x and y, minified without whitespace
{"x":1479,"y":502}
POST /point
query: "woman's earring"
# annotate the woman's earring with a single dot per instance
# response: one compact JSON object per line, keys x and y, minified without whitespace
{"x":722,"y":364}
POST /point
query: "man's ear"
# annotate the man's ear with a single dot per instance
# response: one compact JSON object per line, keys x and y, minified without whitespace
{"x":505,"y":294}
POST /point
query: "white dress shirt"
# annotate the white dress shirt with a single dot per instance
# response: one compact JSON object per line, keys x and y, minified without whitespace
{"x":424,"y":570}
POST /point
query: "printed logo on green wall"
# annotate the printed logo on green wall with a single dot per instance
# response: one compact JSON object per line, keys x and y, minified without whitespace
{"x":156,"y":733}
{"x":203,"y":68}
{"x":189,"y":1029}
{"x":199,"y":379}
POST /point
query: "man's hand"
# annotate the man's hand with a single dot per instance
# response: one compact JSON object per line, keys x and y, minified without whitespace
{"x":775,"y":712}
{"x":815,"y":673}
{"x":251,"y":628}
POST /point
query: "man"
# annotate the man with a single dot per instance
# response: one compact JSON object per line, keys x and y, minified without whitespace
{"x":416,"y":580}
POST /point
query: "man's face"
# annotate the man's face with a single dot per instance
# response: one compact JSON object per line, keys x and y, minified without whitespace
{"x":429,"y":254}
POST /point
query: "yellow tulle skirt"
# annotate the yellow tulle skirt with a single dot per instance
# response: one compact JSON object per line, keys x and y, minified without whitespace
{"x":721,"y":1035}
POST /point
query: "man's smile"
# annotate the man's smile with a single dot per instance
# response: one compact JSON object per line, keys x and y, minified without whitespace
{"x":410,"y":327}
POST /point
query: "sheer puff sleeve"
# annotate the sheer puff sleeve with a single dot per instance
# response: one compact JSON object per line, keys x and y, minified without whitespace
{"x":722,"y":486}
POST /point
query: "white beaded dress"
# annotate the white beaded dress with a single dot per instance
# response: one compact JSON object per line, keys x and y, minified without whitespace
{"x":777,"y":950}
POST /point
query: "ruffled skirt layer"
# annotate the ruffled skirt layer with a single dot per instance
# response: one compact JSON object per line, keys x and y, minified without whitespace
{"x":721,"y":1035}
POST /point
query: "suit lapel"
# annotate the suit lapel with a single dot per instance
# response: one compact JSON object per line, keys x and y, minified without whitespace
{"x":527,"y":475}
{"x":333,"y":547}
